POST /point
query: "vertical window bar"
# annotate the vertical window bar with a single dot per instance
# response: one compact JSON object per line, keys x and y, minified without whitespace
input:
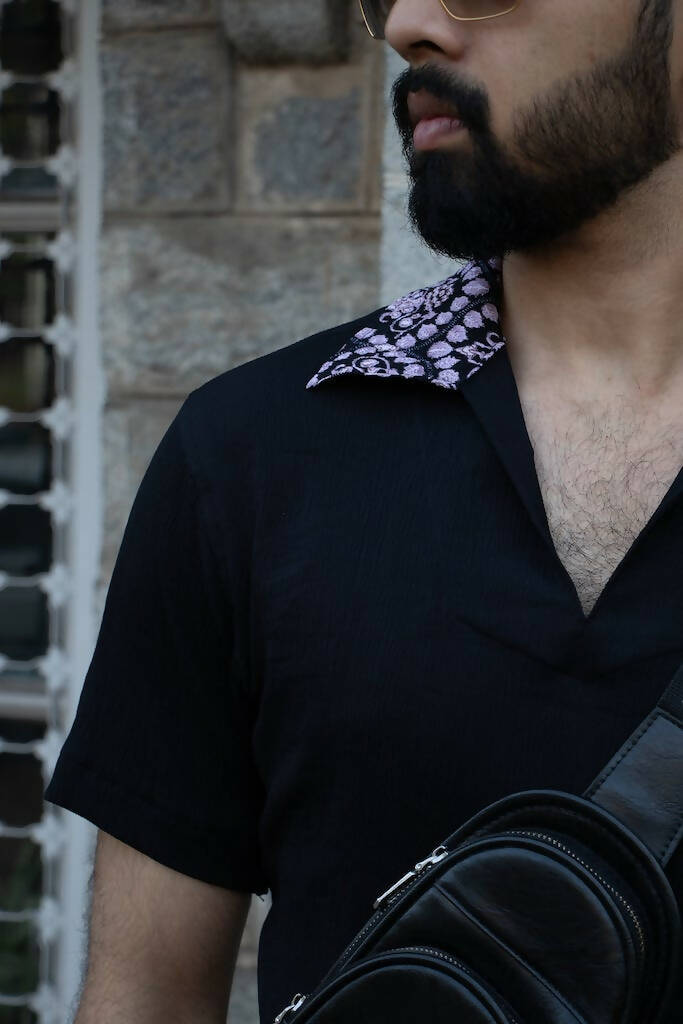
{"x":38,"y":180}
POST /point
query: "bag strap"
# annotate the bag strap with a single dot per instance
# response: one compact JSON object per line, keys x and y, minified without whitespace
{"x":642,"y":785}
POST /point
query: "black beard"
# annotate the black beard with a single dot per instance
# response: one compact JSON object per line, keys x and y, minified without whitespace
{"x":583,"y":144}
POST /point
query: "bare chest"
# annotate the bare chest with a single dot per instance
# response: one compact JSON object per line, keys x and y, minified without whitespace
{"x":602,"y":475}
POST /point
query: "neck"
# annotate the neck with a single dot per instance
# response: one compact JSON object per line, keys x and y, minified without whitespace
{"x":602,"y":311}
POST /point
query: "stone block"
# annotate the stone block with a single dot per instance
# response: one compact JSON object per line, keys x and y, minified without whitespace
{"x":166,"y":120}
{"x":127,"y":14}
{"x":183,"y":299}
{"x":305,"y":138}
{"x":131,"y":433}
{"x":298,"y":31}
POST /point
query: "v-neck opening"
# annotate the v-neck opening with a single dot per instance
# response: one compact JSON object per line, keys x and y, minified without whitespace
{"x":494,"y":397}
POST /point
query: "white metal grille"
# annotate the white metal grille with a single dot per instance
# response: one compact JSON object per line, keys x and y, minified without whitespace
{"x":38,"y":336}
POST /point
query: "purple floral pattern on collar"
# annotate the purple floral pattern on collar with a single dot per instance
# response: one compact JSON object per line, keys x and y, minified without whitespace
{"x":442,"y":334}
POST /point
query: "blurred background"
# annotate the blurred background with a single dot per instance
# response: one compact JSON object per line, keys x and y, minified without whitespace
{"x":184,"y":185}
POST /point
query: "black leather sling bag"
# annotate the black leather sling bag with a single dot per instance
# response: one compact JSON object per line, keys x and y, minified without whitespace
{"x":544,"y":908}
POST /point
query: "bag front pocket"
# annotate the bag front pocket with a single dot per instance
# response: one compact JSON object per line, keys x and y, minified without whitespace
{"x":404,"y":986}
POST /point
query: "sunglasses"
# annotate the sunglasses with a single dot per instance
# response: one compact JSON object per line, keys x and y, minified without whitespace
{"x":376,"y":12}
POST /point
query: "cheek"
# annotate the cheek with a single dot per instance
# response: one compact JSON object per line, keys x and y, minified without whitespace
{"x":517,"y":76}
{"x":508,"y":97}
{"x":514,"y":94}
{"x":542,"y":49}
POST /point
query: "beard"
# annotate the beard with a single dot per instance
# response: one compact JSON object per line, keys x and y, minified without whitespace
{"x":574,"y":151}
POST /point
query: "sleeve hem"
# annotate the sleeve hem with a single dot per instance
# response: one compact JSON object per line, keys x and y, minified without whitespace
{"x":79,"y":788}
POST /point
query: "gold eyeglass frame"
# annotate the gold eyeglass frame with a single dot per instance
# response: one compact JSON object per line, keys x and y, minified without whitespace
{"x":456,"y":17}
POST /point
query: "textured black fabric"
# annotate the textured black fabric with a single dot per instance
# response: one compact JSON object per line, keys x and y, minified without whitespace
{"x":338,"y":627}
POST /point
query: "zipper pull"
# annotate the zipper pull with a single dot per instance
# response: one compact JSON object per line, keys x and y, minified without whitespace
{"x":438,"y":854}
{"x":296,"y":1002}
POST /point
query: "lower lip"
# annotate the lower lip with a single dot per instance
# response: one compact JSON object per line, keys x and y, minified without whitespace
{"x":432,"y":131}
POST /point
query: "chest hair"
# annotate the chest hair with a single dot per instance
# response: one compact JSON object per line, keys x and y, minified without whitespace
{"x":602,"y":474}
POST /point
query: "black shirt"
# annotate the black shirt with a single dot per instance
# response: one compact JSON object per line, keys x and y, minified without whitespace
{"x":337,"y":627}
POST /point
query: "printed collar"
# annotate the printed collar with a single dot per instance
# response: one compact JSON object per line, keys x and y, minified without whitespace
{"x":442,"y":334}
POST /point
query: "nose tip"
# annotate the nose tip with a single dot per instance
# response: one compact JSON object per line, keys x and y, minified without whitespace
{"x":422,"y":27}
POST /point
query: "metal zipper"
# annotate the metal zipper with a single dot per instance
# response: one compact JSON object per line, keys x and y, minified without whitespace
{"x":435,"y":856}
{"x":295,"y":1003}
{"x":574,"y":856}
{"x":433,"y":951}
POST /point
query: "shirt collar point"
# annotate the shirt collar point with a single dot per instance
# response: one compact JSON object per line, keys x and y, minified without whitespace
{"x":442,"y":333}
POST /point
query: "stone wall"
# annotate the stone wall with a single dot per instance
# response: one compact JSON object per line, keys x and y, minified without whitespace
{"x":241,"y":198}
{"x":242,"y":201}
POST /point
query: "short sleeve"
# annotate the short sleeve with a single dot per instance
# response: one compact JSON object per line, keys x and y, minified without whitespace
{"x":159,"y":753}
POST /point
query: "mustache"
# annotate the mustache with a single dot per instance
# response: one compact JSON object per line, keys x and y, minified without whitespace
{"x":471,"y":102}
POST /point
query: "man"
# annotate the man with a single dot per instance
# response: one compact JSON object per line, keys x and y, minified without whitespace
{"x":393,"y":572}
